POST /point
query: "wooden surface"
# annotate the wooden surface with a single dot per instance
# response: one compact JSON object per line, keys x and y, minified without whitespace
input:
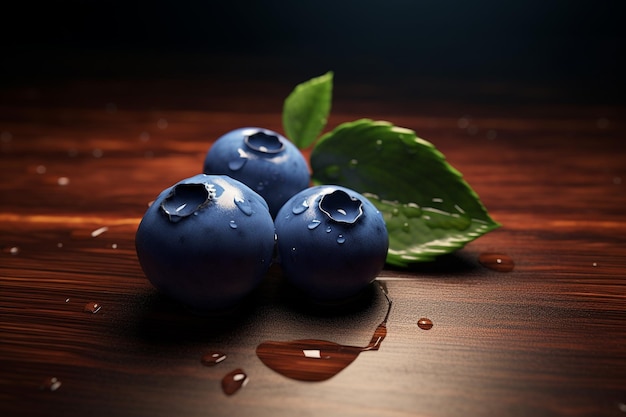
{"x":546,"y":339}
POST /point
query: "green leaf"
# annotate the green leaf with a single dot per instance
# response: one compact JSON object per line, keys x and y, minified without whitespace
{"x":306,"y":110}
{"x":428,"y":207}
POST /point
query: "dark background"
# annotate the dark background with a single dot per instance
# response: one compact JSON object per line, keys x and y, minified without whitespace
{"x":579,"y":45}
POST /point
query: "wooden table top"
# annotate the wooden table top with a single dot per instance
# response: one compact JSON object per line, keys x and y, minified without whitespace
{"x":82,"y":331}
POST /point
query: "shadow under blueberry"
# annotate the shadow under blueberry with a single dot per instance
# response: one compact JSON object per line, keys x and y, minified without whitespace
{"x":306,"y":339}
{"x":160,"y":320}
{"x":298,"y":302}
{"x":456,"y":263}
{"x":164,"y":321}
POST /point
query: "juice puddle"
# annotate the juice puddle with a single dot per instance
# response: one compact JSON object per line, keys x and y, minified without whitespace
{"x":316,"y":360}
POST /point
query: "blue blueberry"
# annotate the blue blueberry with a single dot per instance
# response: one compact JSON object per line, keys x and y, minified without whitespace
{"x":332,"y":242}
{"x":206,"y":241}
{"x":262,"y":159}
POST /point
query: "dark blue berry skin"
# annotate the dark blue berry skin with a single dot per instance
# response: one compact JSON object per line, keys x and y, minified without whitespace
{"x":262,"y":159}
{"x":332,"y":242}
{"x":206,"y":242}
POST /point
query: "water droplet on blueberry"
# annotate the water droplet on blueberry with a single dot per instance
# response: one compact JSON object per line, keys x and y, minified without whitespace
{"x":244,"y":206}
{"x":232,"y":224}
{"x":341,"y":239}
{"x":237,"y":164}
{"x":300,"y":208}
{"x":313,"y":224}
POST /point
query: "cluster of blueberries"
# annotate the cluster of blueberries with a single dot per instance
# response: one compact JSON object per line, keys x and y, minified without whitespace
{"x":208,"y":240}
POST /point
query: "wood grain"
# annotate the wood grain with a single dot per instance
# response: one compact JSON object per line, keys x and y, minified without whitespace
{"x":546,"y":339}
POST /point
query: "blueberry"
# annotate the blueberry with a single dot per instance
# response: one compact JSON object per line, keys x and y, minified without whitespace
{"x":263,"y":160}
{"x":206,"y":241}
{"x":332,"y":242}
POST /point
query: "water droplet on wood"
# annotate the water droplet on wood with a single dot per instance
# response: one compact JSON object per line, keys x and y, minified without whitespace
{"x":496,"y":261}
{"x":162,"y":123}
{"x":92,"y":307}
{"x":212,"y":358}
{"x":99,"y":231}
{"x":425,"y":323}
{"x":234,"y":381}
{"x":50,"y":384}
